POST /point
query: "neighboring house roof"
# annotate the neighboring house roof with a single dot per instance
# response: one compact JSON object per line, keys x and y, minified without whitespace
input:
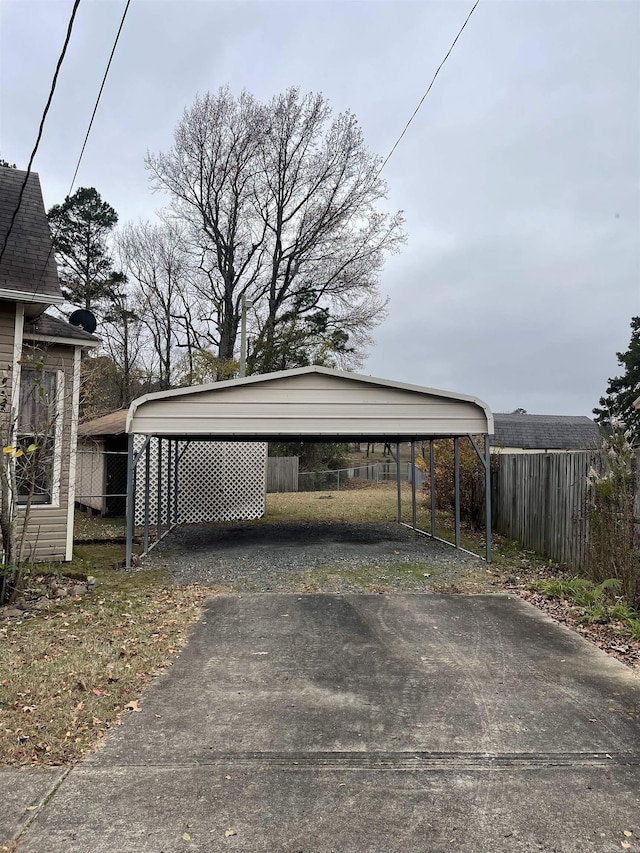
{"x":55,"y":329}
{"x":112,"y":424}
{"x":545,"y":432}
{"x":28,"y":270}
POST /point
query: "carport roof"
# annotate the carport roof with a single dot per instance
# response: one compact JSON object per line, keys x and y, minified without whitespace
{"x":308,"y":404}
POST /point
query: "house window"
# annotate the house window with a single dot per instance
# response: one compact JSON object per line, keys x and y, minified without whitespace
{"x":37,"y":436}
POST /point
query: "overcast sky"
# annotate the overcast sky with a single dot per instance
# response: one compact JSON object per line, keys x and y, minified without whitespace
{"x":519,"y":178}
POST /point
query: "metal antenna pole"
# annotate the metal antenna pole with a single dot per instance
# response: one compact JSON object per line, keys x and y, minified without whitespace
{"x":245,"y":304}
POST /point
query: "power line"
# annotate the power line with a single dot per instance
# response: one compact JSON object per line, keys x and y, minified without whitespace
{"x":433,"y":80}
{"x":95,"y":108}
{"x":40,"y":129}
{"x":93,"y":115}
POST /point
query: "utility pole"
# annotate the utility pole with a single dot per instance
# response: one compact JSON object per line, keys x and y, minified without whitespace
{"x":246,"y":303}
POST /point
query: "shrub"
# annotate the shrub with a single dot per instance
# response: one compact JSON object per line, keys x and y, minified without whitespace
{"x":611,"y":549}
{"x":471,"y":479}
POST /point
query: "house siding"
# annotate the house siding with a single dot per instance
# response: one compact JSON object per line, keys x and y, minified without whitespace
{"x":46,"y":534}
{"x":7,"y":335}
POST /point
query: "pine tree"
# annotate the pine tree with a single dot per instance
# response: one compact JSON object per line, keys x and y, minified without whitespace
{"x":623,"y":390}
{"x":80,"y":227}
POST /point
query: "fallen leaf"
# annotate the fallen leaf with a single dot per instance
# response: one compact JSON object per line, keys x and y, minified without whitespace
{"x":229,"y":832}
{"x":627,"y":833}
{"x":186,"y":836}
{"x":31,"y":808}
{"x":133,"y":706}
{"x":97,"y":692}
{"x":625,"y":845}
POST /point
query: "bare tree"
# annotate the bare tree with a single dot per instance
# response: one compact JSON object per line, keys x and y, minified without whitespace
{"x":282,"y":206}
{"x":156,"y":266}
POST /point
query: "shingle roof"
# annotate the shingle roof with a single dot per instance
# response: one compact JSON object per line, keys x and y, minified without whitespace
{"x":112,"y":424}
{"x":54,"y":327}
{"x":28,"y":265}
{"x":545,"y":432}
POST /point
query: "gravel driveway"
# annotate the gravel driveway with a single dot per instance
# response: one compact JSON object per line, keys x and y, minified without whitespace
{"x":270,"y":557}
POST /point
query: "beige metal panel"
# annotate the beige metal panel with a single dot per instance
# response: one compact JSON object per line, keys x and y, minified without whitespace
{"x":315,"y":401}
{"x":275,"y":408}
{"x":330,"y":427}
{"x":322,"y":381}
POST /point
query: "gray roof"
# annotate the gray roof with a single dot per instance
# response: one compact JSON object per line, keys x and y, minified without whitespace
{"x":54,"y":327}
{"x":545,"y":432}
{"x":28,"y":265}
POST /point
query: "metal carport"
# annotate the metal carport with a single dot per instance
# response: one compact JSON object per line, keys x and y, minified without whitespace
{"x":315,"y":404}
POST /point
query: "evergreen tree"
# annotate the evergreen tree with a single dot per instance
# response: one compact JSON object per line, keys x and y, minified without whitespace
{"x":623,"y":390}
{"x":80,"y":227}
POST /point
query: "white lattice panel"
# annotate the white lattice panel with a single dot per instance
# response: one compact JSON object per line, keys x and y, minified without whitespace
{"x":217,"y":481}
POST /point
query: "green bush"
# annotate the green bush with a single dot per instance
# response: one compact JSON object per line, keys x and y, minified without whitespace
{"x":611,"y":549}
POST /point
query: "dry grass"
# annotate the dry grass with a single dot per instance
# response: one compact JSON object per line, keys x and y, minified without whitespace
{"x":88,"y":527}
{"x":69,"y":674}
{"x":375,"y":503}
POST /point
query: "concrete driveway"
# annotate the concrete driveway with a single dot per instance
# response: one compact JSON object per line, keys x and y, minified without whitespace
{"x":319,"y":723}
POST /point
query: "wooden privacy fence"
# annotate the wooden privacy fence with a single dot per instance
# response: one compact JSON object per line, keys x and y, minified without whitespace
{"x":282,"y":474}
{"x":540,"y":500}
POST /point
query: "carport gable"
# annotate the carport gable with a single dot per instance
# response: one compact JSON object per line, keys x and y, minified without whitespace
{"x":313,"y":404}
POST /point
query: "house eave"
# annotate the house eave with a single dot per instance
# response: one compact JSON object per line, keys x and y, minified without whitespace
{"x":55,"y":339}
{"x":28,"y":296}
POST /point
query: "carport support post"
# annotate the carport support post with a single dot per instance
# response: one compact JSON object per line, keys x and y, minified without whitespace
{"x":169,"y":480}
{"x":456,"y":488}
{"x":175,"y":483}
{"x":487,"y":495}
{"x":413,"y":485}
{"x":131,"y":501}
{"x":147,"y":475}
{"x":159,"y":485}
{"x":399,"y":484}
{"x":432,"y":486}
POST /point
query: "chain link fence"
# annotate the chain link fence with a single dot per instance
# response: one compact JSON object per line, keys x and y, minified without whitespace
{"x":101,"y":481}
{"x":356,"y":477}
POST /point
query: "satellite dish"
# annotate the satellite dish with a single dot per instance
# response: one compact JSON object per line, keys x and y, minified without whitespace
{"x":84,"y":319}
